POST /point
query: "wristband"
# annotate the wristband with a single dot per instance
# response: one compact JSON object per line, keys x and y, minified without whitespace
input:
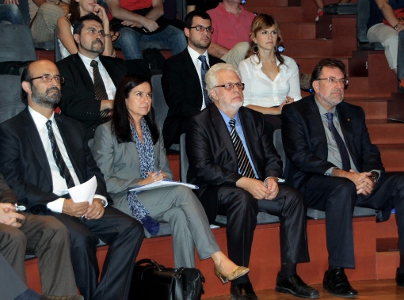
{"x":395,"y":27}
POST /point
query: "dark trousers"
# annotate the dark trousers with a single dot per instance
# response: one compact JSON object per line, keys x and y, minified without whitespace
{"x":124,"y":236}
{"x":337,"y":197}
{"x":241,"y":210}
{"x":10,"y":283}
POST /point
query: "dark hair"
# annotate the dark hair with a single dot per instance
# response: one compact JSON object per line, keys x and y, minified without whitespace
{"x":74,"y":10}
{"x":260,"y":22}
{"x":25,"y":76}
{"x":195,"y":13}
{"x":120,"y":123}
{"x":78,"y":25}
{"x":327,"y":62}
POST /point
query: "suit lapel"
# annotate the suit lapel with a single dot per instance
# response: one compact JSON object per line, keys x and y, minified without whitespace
{"x":82,"y":70}
{"x":110,"y":70}
{"x":347,"y":130}
{"x":36,"y":143}
{"x":316,"y":129}
{"x":192,"y":72}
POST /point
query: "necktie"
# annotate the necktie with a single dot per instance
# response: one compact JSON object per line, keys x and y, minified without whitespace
{"x":99,"y":90}
{"x":346,"y":164}
{"x":244,"y":165}
{"x":204,"y":69}
{"x":63,"y":170}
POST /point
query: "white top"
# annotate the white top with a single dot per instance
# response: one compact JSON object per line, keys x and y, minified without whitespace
{"x":261,"y":90}
{"x":63,"y":51}
{"x":198,"y":65}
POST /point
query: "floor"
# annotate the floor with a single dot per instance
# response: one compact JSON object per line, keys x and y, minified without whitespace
{"x":368,"y":290}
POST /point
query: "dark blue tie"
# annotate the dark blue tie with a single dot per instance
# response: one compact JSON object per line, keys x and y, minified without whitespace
{"x":346,"y":164}
{"x":204,"y":69}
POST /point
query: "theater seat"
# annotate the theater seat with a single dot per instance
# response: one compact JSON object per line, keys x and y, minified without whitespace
{"x":10,"y":97}
{"x":16,"y":43}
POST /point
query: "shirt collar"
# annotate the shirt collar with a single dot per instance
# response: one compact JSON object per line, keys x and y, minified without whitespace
{"x":40,"y":120}
{"x":226,"y":118}
{"x":86,"y":60}
{"x":223,"y":10}
{"x":323,"y":111}
{"x":194,"y":55}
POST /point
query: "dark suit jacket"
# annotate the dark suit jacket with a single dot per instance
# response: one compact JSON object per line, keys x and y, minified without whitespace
{"x":213,"y":160}
{"x":182,"y":92}
{"x":24,"y":164}
{"x":305,"y":141}
{"x":6,"y":194}
{"x":78,"y":97}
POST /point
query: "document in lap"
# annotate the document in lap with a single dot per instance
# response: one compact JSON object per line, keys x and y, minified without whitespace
{"x":84,"y":192}
{"x":162,"y":183}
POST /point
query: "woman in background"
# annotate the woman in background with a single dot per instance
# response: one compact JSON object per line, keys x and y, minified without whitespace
{"x":271,"y":79}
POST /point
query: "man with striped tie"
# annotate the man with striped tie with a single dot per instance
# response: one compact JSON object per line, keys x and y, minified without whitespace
{"x":233,"y":161}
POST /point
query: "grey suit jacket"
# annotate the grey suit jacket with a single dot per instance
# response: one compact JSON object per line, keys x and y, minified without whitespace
{"x":119,"y":162}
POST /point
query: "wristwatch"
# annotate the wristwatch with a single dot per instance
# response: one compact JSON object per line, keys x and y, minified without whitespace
{"x":395,"y":27}
{"x":375,"y":176}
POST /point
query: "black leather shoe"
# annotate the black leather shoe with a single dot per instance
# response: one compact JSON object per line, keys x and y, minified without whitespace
{"x":400,"y":279}
{"x":295,"y":285}
{"x":336,"y":283}
{"x":47,"y":297}
{"x":243,"y":291}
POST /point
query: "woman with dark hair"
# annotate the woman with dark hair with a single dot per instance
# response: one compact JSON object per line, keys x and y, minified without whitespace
{"x":77,"y":9}
{"x":271,"y":79}
{"x":130,"y":152}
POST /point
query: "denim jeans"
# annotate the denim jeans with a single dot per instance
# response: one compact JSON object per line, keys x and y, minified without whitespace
{"x":130,"y":40}
{"x":11,"y":13}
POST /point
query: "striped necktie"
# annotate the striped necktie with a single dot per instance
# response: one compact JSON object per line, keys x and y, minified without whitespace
{"x":204,"y":70}
{"x":243,"y":162}
{"x":346,"y":164}
{"x":99,"y":90}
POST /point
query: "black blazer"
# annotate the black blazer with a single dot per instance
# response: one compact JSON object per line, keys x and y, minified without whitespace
{"x":305,"y":141}
{"x":182,"y":92}
{"x":78,"y":97}
{"x":24,"y":164}
{"x":213,"y":160}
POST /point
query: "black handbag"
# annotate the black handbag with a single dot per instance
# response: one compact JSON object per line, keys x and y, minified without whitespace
{"x":156,"y":282}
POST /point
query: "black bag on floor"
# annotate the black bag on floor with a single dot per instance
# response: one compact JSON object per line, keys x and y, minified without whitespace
{"x":341,"y":9}
{"x":153,"y":281}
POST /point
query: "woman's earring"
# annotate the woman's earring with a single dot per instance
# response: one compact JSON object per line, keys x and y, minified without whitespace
{"x":255,"y":49}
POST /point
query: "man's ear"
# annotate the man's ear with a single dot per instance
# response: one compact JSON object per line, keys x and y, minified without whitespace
{"x":186,"y":32}
{"x":26,"y":86}
{"x":315,"y":85}
{"x":76,"y":38}
{"x":213,"y":94}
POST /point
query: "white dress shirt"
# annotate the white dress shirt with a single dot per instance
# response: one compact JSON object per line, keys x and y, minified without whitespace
{"x":109,"y":84}
{"x":198,"y":65}
{"x":261,"y":90}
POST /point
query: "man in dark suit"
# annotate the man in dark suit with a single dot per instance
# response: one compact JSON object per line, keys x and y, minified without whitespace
{"x":332,"y":161}
{"x":234,"y":163}
{"x":42,"y":155}
{"x":80,"y":99}
{"x":182,"y":81}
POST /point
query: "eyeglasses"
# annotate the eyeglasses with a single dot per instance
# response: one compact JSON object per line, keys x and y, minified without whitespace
{"x":49,"y":77}
{"x":334,"y":80}
{"x":229,"y":86}
{"x":201,"y":28}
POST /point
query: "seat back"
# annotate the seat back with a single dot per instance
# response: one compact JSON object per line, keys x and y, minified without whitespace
{"x":16,"y":43}
{"x":277,"y":140}
{"x":10,"y":97}
{"x":183,"y":158}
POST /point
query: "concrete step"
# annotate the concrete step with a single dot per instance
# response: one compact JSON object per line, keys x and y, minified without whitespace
{"x":387,"y":258}
{"x":374,"y":108}
{"x":386,"y":132}
{"x":298,"y":31}
{"x":309,"y":48}
{"x":281,"y":14}
{"x":392,"y":157}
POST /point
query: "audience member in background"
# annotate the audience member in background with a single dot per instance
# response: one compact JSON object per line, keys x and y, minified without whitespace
{"x":384,"y":26}
{"x":42,"y":156}
{"x":234,"y":163}
{"x":129,"y":151}
{"x":12,"y":288}
{"x":271,"y":79}
{"x":202,"y":5}
{"x":10,"y":13}
{"x":336,"y":167}
{"x":43,"y":236}
{"x":184,"y":77}
{"x":141,"y":21}
{"x":90,"y":78}
{"x":79,"y":8}
{"x":320,"y":5}
{"x":232,"y":24}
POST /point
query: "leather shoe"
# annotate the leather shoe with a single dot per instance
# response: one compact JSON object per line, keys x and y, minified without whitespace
{"x":295,"y":285}
{"x":237,"y":272}
{"x":243,"y":291}
{"x":336,"y":283}
{"x":75,"y":297}
{"x":400,"y":279}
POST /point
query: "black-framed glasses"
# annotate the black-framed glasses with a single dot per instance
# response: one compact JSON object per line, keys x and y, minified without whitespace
{"x":334,"y":80}
{"x":229,"y":86}
{"x":49,"y":77}
{"x":202,"y":29}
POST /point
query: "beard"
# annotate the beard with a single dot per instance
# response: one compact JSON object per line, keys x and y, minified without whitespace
{"x":47,"y":99}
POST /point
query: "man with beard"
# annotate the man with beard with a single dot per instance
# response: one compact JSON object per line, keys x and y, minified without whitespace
{"x":332,"y":161}
{"x":90,"y":78}
{"x":42,"y":156}
{"x":184,"y":77}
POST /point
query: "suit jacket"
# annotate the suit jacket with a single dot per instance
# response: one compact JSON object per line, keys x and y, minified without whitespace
{"x":119,"y":162}
{"x":213,"y":160}
{"x":78,"y":96}
{"x":24,"y":164}
{"x":182,"y":92}
{"x":305,"y":142}
{"x":6,"y":194}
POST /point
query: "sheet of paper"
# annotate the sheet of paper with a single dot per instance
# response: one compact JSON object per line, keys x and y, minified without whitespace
{"x":85,"y":191}
{"x":161,"y":184}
